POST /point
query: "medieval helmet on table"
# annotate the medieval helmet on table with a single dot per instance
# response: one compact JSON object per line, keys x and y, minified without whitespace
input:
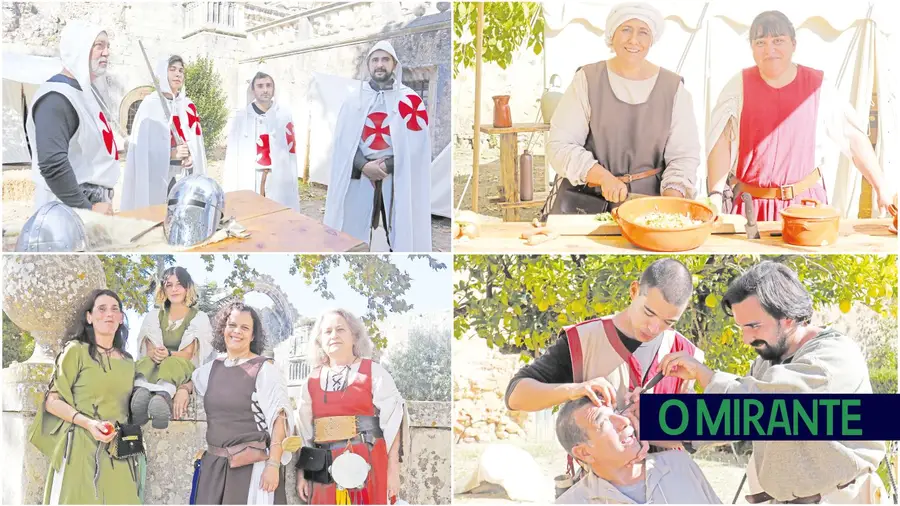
{"x":195,"y":207}
{"x":54,"y":228}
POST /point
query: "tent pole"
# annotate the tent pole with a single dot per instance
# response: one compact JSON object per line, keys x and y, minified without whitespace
{"x":476,"y":141}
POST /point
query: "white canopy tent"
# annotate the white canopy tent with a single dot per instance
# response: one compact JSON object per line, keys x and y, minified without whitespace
{"x":22,"y":74}
{"x":855,"y":43}
{"x":326,"y":94}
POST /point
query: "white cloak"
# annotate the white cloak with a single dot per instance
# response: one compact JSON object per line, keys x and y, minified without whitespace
{"x":150,"y":144}
{"x":245,"y":145}
{"x":349,"y":204}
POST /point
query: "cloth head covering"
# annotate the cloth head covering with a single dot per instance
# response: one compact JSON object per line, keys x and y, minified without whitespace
{"x":162,"y":73}
{"x":75,"y":45}
{"x":386,"y":46}
{"x":643,"y":11}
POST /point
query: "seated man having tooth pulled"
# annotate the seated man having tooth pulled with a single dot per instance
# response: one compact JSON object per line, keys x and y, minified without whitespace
{"x":606,"y":445}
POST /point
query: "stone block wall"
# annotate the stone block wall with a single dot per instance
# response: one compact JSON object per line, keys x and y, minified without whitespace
{"x":480,"y":377}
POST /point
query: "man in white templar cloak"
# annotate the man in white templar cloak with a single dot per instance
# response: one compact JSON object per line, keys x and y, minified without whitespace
{"x":380,"y":172}
{"x":262,"y":150}
{"x":155,"y":160}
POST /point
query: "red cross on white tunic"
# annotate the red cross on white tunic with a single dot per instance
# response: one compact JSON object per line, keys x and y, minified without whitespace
{"x":412,"y":112}
{"x":263,"y":152}
{"x":108,"y":138}
{"x":375,"y":127}
{"x":193,"y":119}
{"x":289,"y":136}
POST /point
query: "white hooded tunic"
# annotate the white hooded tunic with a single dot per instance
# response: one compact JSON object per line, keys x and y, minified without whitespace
{"x":147,"y":169}
{"x":263,"y":141}
{"x":350,"y":201}
{"x":93,"y":153}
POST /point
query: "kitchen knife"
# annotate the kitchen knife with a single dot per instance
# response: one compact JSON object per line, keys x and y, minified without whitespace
{"x":650,"y":384}
{"x":752,"y":229}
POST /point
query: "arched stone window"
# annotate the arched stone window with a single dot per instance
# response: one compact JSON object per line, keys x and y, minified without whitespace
{"x":130,"y":105}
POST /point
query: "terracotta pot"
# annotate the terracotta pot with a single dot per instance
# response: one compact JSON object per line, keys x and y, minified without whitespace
{"x":502,"y":114}
{"x":810,"y":225}
{"x":664,"y":240}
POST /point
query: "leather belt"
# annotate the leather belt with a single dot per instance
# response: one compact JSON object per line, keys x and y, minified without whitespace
{"x":262,"y":182}
{"x":629,"y":178}
{"x":786,"y":192}
{"x":368,"y":429}
{"x":812,"y":499}
{"x":219,"y":451}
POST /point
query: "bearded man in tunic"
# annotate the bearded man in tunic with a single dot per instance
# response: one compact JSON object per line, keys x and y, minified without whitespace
{"x":773,"y":125}
{"x":76,"y":160}
{"x":607,"y":444}
{"x":380,"y":172}
{"x":624,"y":125}
{"x":774,"y":312}
{"x":262,"y":148}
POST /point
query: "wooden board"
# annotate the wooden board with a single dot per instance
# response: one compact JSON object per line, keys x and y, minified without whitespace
{"x":516,"y":128}
{"x":289,"y":232}
{"x":242,"y":205}
{"x":857,"y":236}
{"x":587,"y":224}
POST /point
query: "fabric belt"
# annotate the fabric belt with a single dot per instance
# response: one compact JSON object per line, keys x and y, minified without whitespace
{"x":812,"y":499}
{"x":786,"y":192}
{"x":219,"y":451}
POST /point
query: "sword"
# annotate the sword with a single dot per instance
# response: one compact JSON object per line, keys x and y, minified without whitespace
{"x":162,"y":100}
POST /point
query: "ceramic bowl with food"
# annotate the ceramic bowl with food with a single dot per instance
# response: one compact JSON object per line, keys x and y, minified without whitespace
{"x":810,"y":224}
{"x":665,"y":224}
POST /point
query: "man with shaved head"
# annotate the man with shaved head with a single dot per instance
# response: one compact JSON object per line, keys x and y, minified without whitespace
{"x":606,"y":445}
{"x":608,"y":357}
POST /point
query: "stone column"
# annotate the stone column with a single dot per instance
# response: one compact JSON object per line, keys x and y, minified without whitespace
{"x":40,"y":293}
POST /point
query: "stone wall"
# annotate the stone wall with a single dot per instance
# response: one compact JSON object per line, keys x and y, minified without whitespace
{"x":425,"y":474}
{"x":522,"y":80}
{"x":480,"y":377}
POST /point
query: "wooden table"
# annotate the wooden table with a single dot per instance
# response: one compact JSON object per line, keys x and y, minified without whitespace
{"x":272,"y":227}
{"x":509,"y":167}
{"x":857,"y":236}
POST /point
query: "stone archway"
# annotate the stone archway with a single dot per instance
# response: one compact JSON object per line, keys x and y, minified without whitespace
{"x":129,"y":105}
{"x":278,"y":320}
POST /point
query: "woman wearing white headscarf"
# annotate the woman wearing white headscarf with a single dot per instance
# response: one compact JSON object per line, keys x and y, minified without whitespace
{"x":154,"y":158}
{"x":624,"y":125}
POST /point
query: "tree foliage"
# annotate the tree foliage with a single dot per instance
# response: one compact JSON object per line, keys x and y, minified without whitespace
{"x":421,"y":368}
{"x":506,"y":26}
{"x":203,"y":86}
{"x":372,"y":276}
{"x":134,"y":277}
{"x":522,"y":302}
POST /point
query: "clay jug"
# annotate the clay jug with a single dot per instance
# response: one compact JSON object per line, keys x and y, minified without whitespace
{"x":502,"y":114}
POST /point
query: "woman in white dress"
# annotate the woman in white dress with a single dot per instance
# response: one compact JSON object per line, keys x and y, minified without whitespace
{"x":248,"y":415}
{"x":345,"y":383}
{"x":174,"y":340}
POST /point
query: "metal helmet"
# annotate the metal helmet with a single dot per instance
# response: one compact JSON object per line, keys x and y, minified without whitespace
{"x":196,"y":206}
{"x":55,"y":227}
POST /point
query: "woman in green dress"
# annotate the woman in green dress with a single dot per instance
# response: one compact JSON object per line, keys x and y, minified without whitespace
{"x":88,"y":395}
{"x":173,"y":341}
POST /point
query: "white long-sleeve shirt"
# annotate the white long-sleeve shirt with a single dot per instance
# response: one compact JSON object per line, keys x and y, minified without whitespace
{"x":570,"y":126}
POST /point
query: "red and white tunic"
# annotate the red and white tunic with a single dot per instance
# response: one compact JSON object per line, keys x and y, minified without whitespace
{"x":597,"y":351}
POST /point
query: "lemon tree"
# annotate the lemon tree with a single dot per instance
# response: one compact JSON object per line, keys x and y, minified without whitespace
{"x":520,"y":303}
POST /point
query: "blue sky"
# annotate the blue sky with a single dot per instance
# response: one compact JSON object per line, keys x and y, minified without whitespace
{"x":429,"y":291}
